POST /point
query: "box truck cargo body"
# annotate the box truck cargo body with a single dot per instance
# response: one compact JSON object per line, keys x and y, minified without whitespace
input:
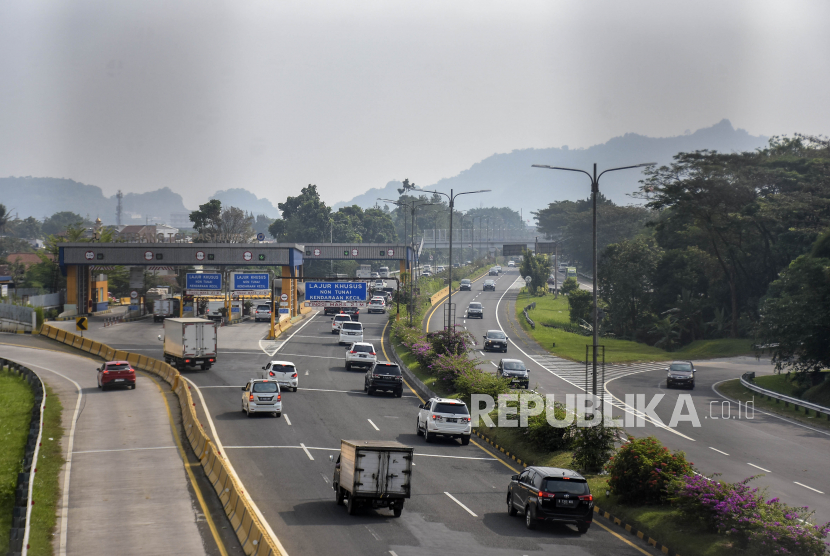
{"x":190,"y":342}
{"x":373,"y":473}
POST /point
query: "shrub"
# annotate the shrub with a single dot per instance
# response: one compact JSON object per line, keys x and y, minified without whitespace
{"x":544,"y":436}
{"x":447,"y":367}
{"x":643,"y":470}
{"x":579,"y":304}
{"x":476,"y":381}
{"x":593,"y":446}
{"x":569,"y":285}
{"x":741,"y":512}
{"x":460,"y":342}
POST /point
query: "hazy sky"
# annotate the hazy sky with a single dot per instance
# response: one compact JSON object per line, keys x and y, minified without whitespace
{"x":272,"y":95}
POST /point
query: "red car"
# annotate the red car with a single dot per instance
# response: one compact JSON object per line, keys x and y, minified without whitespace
{"x":116,"y":373}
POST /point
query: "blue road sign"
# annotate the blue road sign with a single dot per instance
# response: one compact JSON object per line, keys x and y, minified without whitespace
{"x":284,"y":311}
{"x":205,"y":281}
{"x":335,"y":291}
{"x":250,"y":281}
{"x":260,"y":236}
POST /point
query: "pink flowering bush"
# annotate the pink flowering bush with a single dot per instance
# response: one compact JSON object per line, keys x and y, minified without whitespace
{"x":763,"y":527}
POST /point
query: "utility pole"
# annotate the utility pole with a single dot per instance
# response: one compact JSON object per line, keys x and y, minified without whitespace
{"x":118,"y":208}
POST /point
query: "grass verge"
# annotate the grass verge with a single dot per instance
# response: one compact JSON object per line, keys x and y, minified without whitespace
{"x":663,"y":523}
{"x":735,"y":390}
{"x":16,"y":401}
{"x":571,"y":345}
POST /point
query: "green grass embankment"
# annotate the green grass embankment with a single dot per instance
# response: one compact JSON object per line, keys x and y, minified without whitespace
{"x":46,"y":490}
{"x":570,"y":345}
{"x":16,"y":401}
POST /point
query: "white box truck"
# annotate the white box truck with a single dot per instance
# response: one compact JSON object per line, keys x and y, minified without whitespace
{"x":373,"y":473}
{"x":189,"y":343}
{"x":365,"y":271}
{"x":165,"y":308}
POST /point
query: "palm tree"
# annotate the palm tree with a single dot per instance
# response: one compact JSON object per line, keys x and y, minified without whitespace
{"x":4,"y":217}
{"x":668,"y":332}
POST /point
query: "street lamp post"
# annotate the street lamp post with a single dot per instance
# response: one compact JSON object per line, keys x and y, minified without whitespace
{"x":451,"y":197}
{"x":594,"y":194}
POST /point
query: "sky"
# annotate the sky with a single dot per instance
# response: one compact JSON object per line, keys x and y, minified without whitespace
{"x":205,"y":95}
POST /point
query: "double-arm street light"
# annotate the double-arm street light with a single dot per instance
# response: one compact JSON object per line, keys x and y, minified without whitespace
{"x":451,"y":198}
{"x":412,"y":206}
{"x":594,"y":194}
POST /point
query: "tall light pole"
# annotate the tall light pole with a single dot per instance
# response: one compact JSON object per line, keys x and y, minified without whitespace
{"x":594,"y":194}
{"x":413,"y":206}
{"x":479,"y":230}
{"x":451,"y":198}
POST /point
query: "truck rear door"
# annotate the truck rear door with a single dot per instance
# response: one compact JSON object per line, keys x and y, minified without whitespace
{"x":369,"y":466}
{"x":190,"y":340}
{"x":209,"y":333}
{"x":397,"y":470}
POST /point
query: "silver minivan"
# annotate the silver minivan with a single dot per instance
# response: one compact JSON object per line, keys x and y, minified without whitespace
{"x":350,"y":332}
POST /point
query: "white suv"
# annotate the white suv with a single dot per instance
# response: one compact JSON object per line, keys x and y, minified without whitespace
{"x":284,"y":372}
{"x":337,"y":321}
{"x":377,"y":305}
{"x":261,"y":396}
{"x":262,"y":312}
{"x":350,"y":332}
{"x":360,"y":354}
{"x":440,"y":416}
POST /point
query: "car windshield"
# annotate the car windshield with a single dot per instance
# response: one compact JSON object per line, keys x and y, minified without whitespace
{"x":377,"y":301}
{"x":514,"y":366}
{"x":489,"y":282}
{"x":569,"y":486}
{"x":263,"y":308}
{"x":352,"y":326}
{"x":283,"y":368}
{"x":264,"y":387}
{"x":363,"y":349}
{"x":496,"y":335}
{"x":118,"y":367}
{"x":682,"y":367}
{"x":475,"y":305}
{"x":465,"y":281}
{"x":342,"y":317}
{"x":387,"y":370}
{"x":454,"y":408}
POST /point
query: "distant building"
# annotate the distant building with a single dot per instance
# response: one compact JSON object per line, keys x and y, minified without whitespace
{"x":149,"y":234}
{"x":181,"y":220}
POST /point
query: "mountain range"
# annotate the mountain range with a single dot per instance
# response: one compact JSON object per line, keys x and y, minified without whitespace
{"x":509,"y":176}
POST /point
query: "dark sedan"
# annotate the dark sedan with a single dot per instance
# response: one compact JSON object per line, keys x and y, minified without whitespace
{"x":489,"y":285}
{"x":495,"y":340}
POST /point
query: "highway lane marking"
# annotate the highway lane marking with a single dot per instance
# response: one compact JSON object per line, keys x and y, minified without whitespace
{"x":372,"y":532}
{"x":306,"y":389}
{"x":454,"y":499}
{"x":232,"y":470}
{"x":623,"y":539}
{"x":619,"y":405}
{"x":805,"y":486}
{"x":315,"y":356}
{"x":123,"y":450}
{"x":287,"y":420}
{"x":761,"y":468}
{"x":453,"y":457}
{"x":493,"y":363}
{"x":501,"y":461}
{"x":392,"y":553}
{"x":306,"y":451}
{"x":383,"y":349}
{"x":306,"y":323}
{"x":718,"y":451}
{"x":374,"y":425}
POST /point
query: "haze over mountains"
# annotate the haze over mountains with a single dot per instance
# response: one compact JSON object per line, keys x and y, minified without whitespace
{"x":509,"y":175}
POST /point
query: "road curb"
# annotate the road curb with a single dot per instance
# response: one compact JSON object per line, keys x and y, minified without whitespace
{"x":501,"y":449}
{"x":635,"y":532}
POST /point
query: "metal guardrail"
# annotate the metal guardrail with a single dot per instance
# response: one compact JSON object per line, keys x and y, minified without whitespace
{"x":787,"y":399}
{"x":527,"y":317}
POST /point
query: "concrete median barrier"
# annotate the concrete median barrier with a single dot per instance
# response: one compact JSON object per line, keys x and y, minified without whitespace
{"x":252,"y":534}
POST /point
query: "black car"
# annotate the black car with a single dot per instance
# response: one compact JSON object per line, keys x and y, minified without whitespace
{"x":493,"y":272}
{"x":384,"y":376}
{"x":516,"y":371}
{"x":681,"y":373}
{"x":495,"y":340}
{"x":551,"y":494}
{"x":466,"y":285}
{"x":489,"y":285}
{"x":353,"y":312}
{"x":475,"y":310}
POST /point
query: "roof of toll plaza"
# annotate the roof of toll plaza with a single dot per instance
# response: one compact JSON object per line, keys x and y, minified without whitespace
{"x":241,"y":254}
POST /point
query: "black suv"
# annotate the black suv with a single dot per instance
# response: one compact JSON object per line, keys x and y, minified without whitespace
{"x":353,"y":312}
{"x":681,"y":373}
{"x":495,"y":340}
{"x":551,"y":494}
{"x":489,"y":285}
{"x":384,"y":376}
{"x":466,"y":285}
{"x":516,"y":371}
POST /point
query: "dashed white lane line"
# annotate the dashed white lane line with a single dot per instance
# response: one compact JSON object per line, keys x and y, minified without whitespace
{"x":718,"y":451}
{"x":372,"y":532}
{"x":494,"y":364}
{"x":392,"y":553}
{"x":482,"y":353}
{"x":761,"y":468}
{"x":805,"y":486}
{"x":452,"y":457}
{"x":374,"y":425}
{"x":287,"y":420}
{"x":454,"y":499}
{"x":306,"y":451}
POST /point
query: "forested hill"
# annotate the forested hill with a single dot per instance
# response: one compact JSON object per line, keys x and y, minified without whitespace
{"x":516,"y":185}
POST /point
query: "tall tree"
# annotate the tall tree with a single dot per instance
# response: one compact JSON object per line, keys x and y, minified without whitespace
{"x":208,"y":218}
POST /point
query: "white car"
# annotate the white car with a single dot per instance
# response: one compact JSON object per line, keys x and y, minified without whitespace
{"x":350,"y":332}
{"x":498,"y":269}
{"x":374,"y":275}
{"x":377,"y":305}
{"x":511,"y":264}
{"x":284,"y":373}
{"x":379,"y":284}
{"x":337,"y":321}
{"x":262,"y":312}
{"x":440,"y":269}
{"x":445,"y":417}
{"x":360,"y":354}
{"x":261,"y":396}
